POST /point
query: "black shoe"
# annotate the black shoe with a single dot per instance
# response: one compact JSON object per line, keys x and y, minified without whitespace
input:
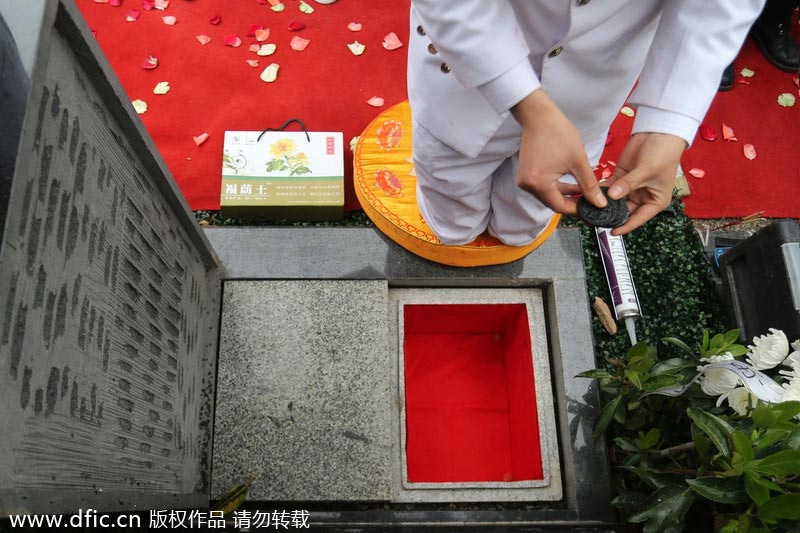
{"x":726,"y":83}
{"x":772,"y":32}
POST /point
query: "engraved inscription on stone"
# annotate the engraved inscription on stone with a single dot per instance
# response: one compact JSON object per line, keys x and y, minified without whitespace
{"x":106,"y":363}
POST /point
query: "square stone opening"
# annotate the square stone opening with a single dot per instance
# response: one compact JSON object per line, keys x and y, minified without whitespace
{"x":477,"y":409}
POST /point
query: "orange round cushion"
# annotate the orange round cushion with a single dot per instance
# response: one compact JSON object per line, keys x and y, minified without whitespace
{"x":386,"y":186}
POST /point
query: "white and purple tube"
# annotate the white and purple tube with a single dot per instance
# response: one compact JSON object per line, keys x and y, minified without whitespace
{"x":620,"y":280}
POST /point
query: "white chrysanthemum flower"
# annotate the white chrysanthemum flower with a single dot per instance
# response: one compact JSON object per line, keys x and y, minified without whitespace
{"x":793,"y":359}
{"x":769,"y":350}
{"x":717,"y":381}
{"x":740,"y":399}
{"x":796,"y":345}
{"x":791,"y":389}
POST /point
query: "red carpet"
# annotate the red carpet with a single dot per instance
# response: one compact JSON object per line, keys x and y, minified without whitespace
{"x":213,"y":89}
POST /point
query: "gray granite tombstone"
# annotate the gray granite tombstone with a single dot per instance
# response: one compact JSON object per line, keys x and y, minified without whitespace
{"x":108,"y":289}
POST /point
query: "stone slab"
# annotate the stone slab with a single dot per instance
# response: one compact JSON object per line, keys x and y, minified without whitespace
{"x":304,"y":390}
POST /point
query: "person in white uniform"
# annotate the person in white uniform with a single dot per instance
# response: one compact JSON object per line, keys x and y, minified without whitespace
{"x":512,"y":101}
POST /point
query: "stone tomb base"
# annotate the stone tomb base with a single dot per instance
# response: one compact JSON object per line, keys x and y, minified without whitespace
{"x":377,"y":376}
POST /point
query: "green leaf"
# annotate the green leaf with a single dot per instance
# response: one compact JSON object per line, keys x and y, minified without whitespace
{"x":596,"y":373}
{"x":717,"y":429}
{"x":785,"y":411}
{"x":737,"y":350}
{"x":626,"y":444}
{"x":717,"y":342}
{"x":784,"y":507}
{"x":661,"y":381}
{"x":793,"y":441}
{"x":701,"y":443}
{"x":741,"y":443}
{"x":653,"y":477}
{"x":665,"y":509}
{"x":634,"y":377}
{"x":782,"y":463}
{"x":670,"y":366}
{"x":629,"y":500}
{"x":728,"y":490}
{"x":605,"y":416}
{"x":729,"y":337}
{"x":705,"y":340}
{"x":679,"y":344}
{"x":645,"y":442}
{"x":757,"y":491}
{"x":641,"y":357}
{"x":770,"y":437}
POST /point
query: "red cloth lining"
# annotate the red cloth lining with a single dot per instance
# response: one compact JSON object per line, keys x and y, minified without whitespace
{"x":471,"y":410}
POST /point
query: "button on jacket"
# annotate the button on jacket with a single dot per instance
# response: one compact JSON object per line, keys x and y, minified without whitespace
{"x":587,"y":54}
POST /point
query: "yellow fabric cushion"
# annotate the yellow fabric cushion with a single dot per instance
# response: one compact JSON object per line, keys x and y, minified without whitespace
{"x":386,"y":185}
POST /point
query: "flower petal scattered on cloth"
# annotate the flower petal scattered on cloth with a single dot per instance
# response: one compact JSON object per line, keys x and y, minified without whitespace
{"x":150,"y":63}
{"x":161,"y":4}
{"x":391,"y":41}
{"x":607,"y":172}
{"x":727,"y":133}
{"x":718,"y":381}
{"x":161,"y":87}
{"x":115,"y":3}
{"x":266,"y":49}
{"x":740,"y":400}
{"x":277,"y":8}
{"x":148,"y":5}
{"x":627,"y":111}
{"x":296,"y":26}
{"x":232,"y":40}
{"x":215,"y":20}
{"x":169,"y":20}
{"x":140,"y":106}
{"x":707,"y":133}
{"x":354,"y":26}
{"x":203,"y":39}
{"x":769,"y":350}
{"x":252,"y":62}
{"x":746,"y":73}
{"x":786,"y":99}
{"x":255,"y":47}
{"x":200,"y":139}
{"x":251,"y":30}
{"x":375,"y":101}
{"x":305,"y":8}
{"x":298,"y":43}
{"x":697,"y":172}
{"x":262,"y":35}
{"x":132,"y":15}
{"x":749,"y":151}
{"x":270,"y":73}
{"x":356,"y":47}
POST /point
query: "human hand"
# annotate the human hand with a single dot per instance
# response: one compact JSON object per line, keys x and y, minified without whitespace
{"x":645,"y":173}
{"x":551,"y":147}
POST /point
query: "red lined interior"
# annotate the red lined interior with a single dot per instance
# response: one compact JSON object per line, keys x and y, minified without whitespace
{"x":471,"y":411}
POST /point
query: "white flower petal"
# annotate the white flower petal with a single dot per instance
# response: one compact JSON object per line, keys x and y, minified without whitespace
{"x":768,"y":350}
{"x":740,"y":399}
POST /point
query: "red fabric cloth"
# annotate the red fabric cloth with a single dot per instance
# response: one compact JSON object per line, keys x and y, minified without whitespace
{"x":734,"y":186}
{"x":213,"y":89}
{"x":470,"y":397}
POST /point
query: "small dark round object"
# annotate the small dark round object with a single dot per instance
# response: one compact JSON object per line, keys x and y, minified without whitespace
{"x":615,"y":214}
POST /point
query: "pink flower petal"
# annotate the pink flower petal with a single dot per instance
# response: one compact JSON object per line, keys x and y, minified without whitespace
{"x":169,"y":20}
{"x":200,"y":139}
{"x":216,"y":19}
{"x":354,"y":26}
{"x":606,"y":173}
{"x":727,"y":133}
{"x":391,"y":41}
{"x":274,"y":2}
{"x":298,"y":43}
{"x":251,"y":30}
{"x":232,"y":40}
{"x":147,"y":5}
{"x":115,"y":3}
{"x":749,"y":151}
{"x":375,"y":101}
{"x":262,"y":35}
{"x":162,"y":4}
{"x":132,"y":15}
{"x":296,"y":26}
{"x":612,"y":163}
{"x":252,"y":62}
{"x":697,"y":172}
{"x":707,"y":133}
{"x":254,"y":47}
{"x":204,"y":39}
{"x":150,"y":63}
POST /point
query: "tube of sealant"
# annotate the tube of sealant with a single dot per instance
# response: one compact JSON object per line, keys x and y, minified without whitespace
{"x":620,"y":280}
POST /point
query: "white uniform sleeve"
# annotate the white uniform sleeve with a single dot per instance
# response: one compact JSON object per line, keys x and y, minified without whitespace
{"x":483,"y":45}
{"x":694,"y":42}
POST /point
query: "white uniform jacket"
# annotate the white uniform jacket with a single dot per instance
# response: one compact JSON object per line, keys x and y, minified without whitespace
{"x":470,"y":61}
